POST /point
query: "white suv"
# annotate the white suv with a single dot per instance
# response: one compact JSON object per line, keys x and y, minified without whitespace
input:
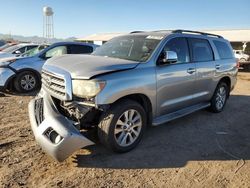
{"x":239,"y":54}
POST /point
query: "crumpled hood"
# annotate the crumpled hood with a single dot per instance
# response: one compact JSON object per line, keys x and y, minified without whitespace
{"x":87,"y":66}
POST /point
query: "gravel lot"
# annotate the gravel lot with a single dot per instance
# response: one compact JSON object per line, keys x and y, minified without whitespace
{"x":199,"y":150}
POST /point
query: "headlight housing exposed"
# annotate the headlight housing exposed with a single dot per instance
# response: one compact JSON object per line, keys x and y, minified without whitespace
{"x":87,"y":88}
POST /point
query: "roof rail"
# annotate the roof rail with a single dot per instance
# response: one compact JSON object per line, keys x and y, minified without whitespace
{"x":163,"y":30}
{"x":196,"y":32}
{"x":136,"y":32}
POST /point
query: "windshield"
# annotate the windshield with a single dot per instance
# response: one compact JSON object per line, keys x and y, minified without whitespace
{"x":133,"y":47}
{"x":34,"y":51}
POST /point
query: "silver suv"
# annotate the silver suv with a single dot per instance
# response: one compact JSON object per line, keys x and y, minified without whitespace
{"x":140,"y":79}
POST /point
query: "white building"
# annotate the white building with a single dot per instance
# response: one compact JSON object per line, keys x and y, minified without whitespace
{"x":99,"y":38}
{"x":239,"y":38}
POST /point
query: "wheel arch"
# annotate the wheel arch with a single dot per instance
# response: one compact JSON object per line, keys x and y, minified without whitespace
{"x":30,"y":70}
{"x":10,"y":81}
{"x":144,"y":101}
{"x":227,"y":80}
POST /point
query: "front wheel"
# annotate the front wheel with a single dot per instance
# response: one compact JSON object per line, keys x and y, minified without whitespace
{"x":219,"y":98}
{"x":122,"y":126}
{"x":26,"y":82}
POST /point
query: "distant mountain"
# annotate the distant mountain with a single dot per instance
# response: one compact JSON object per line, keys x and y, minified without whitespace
{"x":34,"y":39}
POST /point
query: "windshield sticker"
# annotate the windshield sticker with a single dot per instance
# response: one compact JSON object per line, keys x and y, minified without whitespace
{"x":154,"y":37}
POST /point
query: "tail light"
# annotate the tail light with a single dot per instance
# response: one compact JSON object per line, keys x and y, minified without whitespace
{"x":237,"y":63}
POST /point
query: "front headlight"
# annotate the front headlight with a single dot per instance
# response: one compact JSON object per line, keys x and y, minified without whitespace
{"x":87,"y":88}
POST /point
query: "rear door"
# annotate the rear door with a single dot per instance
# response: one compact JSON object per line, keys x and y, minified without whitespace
{"x":175,"y":82}
{"x":203,"y":57}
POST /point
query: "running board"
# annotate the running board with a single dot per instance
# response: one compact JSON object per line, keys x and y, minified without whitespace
{"x":180,"y":113}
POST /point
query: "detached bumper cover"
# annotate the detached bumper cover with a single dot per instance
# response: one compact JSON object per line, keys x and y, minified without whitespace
{"x":5,"y":74}
{"x":45,"y":118}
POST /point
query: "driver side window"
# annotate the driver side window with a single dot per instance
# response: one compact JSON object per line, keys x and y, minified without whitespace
{"x":180,"y":46}
{"x":19,"y":51}
{"x":57,"y":51}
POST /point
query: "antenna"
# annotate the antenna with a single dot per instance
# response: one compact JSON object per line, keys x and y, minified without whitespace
{"x":48,"y":25}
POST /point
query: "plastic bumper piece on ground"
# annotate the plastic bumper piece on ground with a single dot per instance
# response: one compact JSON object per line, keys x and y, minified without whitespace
{"x":54,"y":132}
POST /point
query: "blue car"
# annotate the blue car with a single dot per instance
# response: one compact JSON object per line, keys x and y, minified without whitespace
{"x":23,"y":73}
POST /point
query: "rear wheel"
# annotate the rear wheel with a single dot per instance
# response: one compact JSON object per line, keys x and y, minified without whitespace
{"x":243,"y":60}
{"x":26,"y":82}
{"x":219,"y":98}
{"x":122,"y":127}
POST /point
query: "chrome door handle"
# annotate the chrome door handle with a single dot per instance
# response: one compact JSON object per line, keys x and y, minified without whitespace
{"x":191,"y":70}
{"x":217,"y":66}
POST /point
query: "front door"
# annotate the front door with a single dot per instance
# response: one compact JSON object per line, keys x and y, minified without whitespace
{"x":175,"y":81}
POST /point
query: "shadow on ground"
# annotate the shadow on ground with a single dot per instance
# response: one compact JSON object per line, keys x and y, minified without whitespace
{"x":7,"y":93}
{"x":202,"y":136}
{"x":245,"y":68}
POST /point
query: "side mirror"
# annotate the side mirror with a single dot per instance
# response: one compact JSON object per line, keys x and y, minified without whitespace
{"x":17,"y":52}
{"x":168,"y":57}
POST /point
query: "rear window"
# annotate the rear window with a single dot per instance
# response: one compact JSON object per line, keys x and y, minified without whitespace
{"x":201,"y":50}
{"x":223,"y":50}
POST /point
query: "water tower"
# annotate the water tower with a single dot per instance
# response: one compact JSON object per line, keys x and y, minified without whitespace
{"x":48,"y":26}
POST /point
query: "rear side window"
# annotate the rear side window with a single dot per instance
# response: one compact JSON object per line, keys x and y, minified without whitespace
{"x":223,"y":50}
{"x":56,"y":51}
{"x":201,"y":50}
{"x":80,"y":49}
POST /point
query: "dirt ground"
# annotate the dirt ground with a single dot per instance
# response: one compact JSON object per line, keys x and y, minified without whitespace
{"x":199,"y":150}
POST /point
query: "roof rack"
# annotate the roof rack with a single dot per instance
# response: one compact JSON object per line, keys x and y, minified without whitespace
{"x":136,"y":32}
{"x":196,"y":32}
{"x":163,"y":30}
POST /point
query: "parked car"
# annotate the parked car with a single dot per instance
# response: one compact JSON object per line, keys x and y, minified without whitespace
{"x":7,"y":45}
{"x":23,"y":73}
{"x":2,"y":42}
{"x":241,"y":56}
{"x":16,"y":50}
{"x":140,"y":79}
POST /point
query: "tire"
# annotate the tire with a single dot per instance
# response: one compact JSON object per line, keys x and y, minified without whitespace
{"x":26,"y":81}
{"x":119,"y":142}
{"x":243,"y":60}
{"x":246,"y":67}
{"x":219,"y":98}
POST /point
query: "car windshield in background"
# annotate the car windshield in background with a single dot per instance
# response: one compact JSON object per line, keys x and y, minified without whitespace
{"x":134,"y":47}
{"x":5,"y":46}
{"x":11,"y":48}
{"x":34,"y":51}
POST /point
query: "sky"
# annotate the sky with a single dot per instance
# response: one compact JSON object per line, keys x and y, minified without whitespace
{"x":78,"y":18}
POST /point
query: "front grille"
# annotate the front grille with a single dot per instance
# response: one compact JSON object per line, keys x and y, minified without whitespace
{"x":39,"y":115}
{"x":55,"y":84}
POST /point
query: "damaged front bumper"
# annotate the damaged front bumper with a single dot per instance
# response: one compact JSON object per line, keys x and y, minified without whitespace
{"x":54,"y":132}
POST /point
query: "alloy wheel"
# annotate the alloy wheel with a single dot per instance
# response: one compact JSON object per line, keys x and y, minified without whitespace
{"x":221,"y":97}
{"x":128,"y":128}
{"x":28,"y":82}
